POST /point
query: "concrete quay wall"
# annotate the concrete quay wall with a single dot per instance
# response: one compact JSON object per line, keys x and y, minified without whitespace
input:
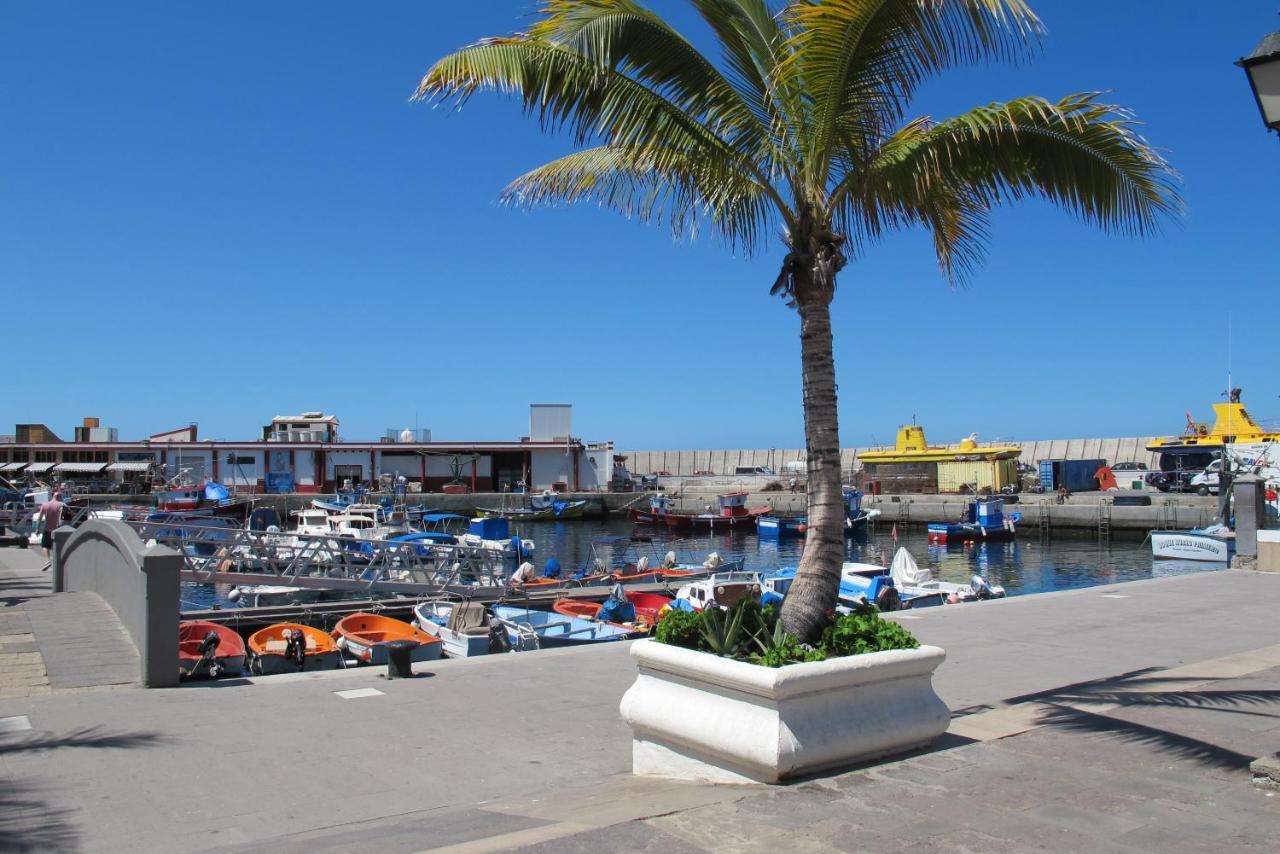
{"x":598,"y":503}
{"x":1085,"y":510}
{"x":1131,"y":449}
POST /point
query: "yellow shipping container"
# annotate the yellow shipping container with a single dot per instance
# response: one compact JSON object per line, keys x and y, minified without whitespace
{"x":991,"y":475}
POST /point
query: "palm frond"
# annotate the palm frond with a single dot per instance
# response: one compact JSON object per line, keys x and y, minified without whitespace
{"x":624,"y":36}
{"x":566,"y":89}
{"x":753,"y":40}
{"x":861,"y":61}
{"x":1078,"y":153}
{"x":682,"y":190}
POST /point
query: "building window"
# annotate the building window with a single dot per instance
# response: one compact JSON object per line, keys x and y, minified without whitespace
{"x":20,"y":455}
{"x":46,"y":456}
{"x":233,"y":460}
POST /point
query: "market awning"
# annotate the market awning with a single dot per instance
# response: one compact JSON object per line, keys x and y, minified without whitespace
{"x":130,"y":465}
{"x":79,"y":468}
{"x":11,"y":466}
{"x":36,"y":468}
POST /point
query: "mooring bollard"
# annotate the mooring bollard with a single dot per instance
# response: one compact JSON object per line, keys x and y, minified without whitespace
{"x":400,"y":658}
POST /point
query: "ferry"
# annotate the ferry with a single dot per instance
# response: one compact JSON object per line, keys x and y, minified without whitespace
{"x":1182,"y":457}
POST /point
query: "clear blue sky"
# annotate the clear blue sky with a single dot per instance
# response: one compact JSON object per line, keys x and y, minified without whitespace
{"x":218,"y":212}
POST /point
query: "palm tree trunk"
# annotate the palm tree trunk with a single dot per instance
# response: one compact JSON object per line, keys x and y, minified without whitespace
{"x":812,"y":596}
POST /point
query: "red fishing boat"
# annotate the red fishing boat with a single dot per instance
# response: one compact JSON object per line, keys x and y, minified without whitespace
{"x":733,"y":515}
{"x":648,"y":609}
{"x":208,"y":649}
{"x":655,"y":514}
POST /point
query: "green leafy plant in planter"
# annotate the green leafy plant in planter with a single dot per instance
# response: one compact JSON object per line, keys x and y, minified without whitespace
{"x":748,"y":632}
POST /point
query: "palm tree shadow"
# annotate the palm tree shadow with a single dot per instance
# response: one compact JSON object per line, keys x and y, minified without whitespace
{"x":29,"y":821}
{"x":1063,"y":710}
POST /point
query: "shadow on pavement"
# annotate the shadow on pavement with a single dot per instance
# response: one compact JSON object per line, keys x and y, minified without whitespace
{"x":28,"y":819}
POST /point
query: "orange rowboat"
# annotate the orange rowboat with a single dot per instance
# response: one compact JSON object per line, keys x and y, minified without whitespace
{"x":288,"y":647}
{"x":364,"y":635}
{"x":648,"y":609}
{"x":208,"y":649}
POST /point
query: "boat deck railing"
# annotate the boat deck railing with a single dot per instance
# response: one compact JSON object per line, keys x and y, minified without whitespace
{"x":213,"y":554}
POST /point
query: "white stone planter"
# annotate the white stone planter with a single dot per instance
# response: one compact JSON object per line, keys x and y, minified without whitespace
{"x":696,"y":716}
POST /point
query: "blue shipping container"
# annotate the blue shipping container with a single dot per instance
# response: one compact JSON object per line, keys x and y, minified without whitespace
{"x":1076,"y":475}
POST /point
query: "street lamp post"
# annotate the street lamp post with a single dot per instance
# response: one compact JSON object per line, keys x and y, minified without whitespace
{"x":1263,"y":68}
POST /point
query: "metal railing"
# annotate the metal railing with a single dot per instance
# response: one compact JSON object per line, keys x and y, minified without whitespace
{"x":215,"y":554}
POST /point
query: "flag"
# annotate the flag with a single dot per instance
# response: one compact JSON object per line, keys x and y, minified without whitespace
{"x":895,"y":533}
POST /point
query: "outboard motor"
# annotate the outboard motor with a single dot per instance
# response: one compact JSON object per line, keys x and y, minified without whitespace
{"x":295,"y":647}
{"x":498,"y":640}
{"x":888,"y":599}
{"x":983,"y":590}
{"x":208,"y":653}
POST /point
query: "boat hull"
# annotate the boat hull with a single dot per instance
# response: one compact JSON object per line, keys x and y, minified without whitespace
{"x":268,"y":658}
{"x":228,"y":658}
{"x":365,"y":636}
{"x":456,"y":644}
{"x":968,"y":533}
{"x":1184,"y":545}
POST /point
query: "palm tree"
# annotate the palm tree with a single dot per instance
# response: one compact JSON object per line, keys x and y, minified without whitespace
{"x":801,"y":130}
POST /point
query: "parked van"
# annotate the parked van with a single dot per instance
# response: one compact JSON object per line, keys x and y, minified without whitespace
{"x":754,"y":471}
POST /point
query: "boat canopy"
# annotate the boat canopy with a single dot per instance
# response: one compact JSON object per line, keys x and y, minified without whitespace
{"x":441,"y":517}
{"x":433,"y":536}
{"x":905,"y":571}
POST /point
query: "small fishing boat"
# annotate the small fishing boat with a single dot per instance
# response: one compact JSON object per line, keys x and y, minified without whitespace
{"x":655,"y":514}
{"x":732,"y":513}
{"x":208,"y":649}
{"x":542,"y":508}
{"x":984,"y":520}
{"x":529,"y":629}
{"x":774,"y":526}
{"x":209,"y":499}
{"x":290,"y":647}
{"x":721,"y":589}
{"x":646,"y":609}
{"x":463,"y":627}
{"x":1215,"y":544}
{"x":916,"y":583}
{"x":365,"y":635}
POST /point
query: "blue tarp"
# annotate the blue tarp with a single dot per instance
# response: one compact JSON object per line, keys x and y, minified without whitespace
{"x":440,"y":517}
{"x":434,"y":536}
{"x":552,"y":569}
{"x":617,"y":611}
{"x":216,"y":492}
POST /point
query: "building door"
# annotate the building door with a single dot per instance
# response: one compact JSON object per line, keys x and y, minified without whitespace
{"x":353,"y":473}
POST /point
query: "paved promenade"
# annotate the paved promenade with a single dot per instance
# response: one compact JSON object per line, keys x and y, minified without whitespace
{"x":1116,"y":718}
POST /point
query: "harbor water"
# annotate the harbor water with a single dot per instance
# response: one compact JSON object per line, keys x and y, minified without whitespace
{"x":1027,"y":565}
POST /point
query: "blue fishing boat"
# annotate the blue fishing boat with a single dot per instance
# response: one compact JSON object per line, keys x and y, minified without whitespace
{"x":775,"y":526}
{"x":529,"y":629}
{"x":984,"y":519}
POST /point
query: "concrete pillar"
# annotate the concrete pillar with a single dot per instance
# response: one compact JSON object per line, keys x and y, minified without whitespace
{"x":159,"y":650}
{"x":60,"y":538}
{"x":1250,"y":512}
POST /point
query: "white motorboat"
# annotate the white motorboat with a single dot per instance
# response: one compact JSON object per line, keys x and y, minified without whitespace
{"x":721,"y":589}
{"x":1214,"y":545}
{"x":463,"y":627}
{"x":915,"y":582}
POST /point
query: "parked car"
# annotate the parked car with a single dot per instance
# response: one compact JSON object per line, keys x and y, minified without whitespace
{"x":1127,"y":473}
